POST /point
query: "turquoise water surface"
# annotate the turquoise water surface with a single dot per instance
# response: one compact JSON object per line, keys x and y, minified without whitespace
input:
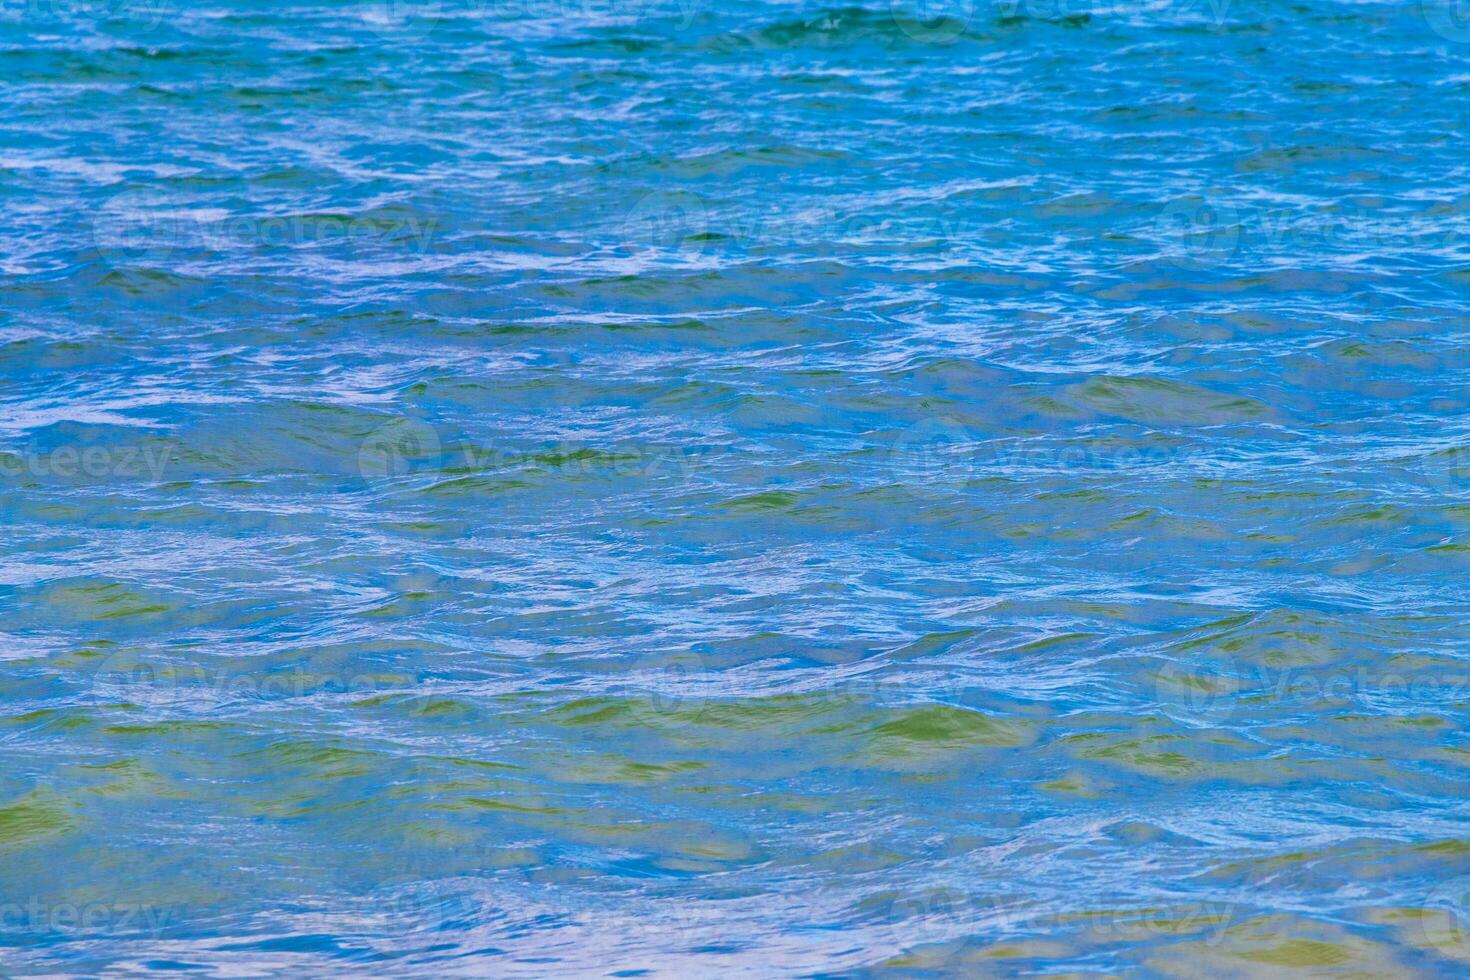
{"x":675,"y":488}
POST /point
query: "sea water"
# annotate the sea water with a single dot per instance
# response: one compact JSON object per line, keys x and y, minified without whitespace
{"x":665,"y":487}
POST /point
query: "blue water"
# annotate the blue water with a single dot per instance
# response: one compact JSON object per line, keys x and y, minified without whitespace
{"x":687,"y":489}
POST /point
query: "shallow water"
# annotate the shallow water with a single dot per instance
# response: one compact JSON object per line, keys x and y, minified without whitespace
{"x":527,"y":489}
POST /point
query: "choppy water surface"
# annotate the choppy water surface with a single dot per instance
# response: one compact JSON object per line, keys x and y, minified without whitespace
{"x":523,"y":489}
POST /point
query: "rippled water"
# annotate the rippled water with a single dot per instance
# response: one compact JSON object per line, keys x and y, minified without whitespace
{"x":518,"y":489}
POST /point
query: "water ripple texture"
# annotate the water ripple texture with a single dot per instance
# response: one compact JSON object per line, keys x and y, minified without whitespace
{"x":529,"y":488}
